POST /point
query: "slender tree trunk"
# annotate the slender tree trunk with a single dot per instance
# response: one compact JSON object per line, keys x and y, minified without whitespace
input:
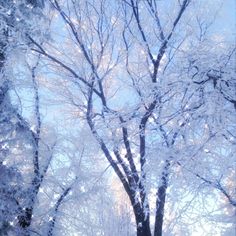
{"x":56,"y":208}
{"x":161,"y":199}
{"x":160,"y":204}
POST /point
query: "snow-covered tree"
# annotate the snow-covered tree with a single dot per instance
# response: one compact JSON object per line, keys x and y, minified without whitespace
{"x":17,"y":20}
{"x":151,"y":87}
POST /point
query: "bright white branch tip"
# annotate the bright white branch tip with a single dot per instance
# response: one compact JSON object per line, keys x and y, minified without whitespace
{"x":139,"y":224}
{"x":113,"y":20}
{"x":206,"y":150}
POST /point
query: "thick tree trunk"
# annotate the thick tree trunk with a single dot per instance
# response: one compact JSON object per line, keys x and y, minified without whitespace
{"x":143,"y":228}
{"x":142,"y":220}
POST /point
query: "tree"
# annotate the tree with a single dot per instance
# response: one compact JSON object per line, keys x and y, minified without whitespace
{"x":149,"y":86}
{"x":22,"y":149}
{"x":142,"y":92}
{"x":29,"y":153}
{"x":14,"y":25}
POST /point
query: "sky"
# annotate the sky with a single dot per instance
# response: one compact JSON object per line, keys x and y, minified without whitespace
{"x":227,"y":18}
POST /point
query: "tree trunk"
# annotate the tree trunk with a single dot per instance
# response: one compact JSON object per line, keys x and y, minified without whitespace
{"x":143,"y":228}
{"x":160,"y":204}
{"x":161,"y":199}
{"x":142,"y":220}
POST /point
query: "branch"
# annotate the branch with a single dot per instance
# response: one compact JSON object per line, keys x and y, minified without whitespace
{"x":136,"y":15}
{"x":217,"y":185}
{"x":41,"y":51}
{"x":68,"y":21}
{"x":56,"y":208}
{"x":128,"y":149}
{"x":164,"y":45}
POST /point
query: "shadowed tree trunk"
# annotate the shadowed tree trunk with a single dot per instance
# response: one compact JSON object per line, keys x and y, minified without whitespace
{"x":160,"y":201}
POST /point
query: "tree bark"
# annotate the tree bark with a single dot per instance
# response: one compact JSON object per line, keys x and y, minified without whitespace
{"x":161,"y":199}
{"x":160,"y":204}
{"x":143,"y":228}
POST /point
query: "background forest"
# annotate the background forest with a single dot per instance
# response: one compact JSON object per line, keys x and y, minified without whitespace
{"x":117,"y":118}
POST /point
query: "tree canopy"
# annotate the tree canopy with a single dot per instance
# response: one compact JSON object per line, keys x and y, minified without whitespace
{"x":117,"y":118}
